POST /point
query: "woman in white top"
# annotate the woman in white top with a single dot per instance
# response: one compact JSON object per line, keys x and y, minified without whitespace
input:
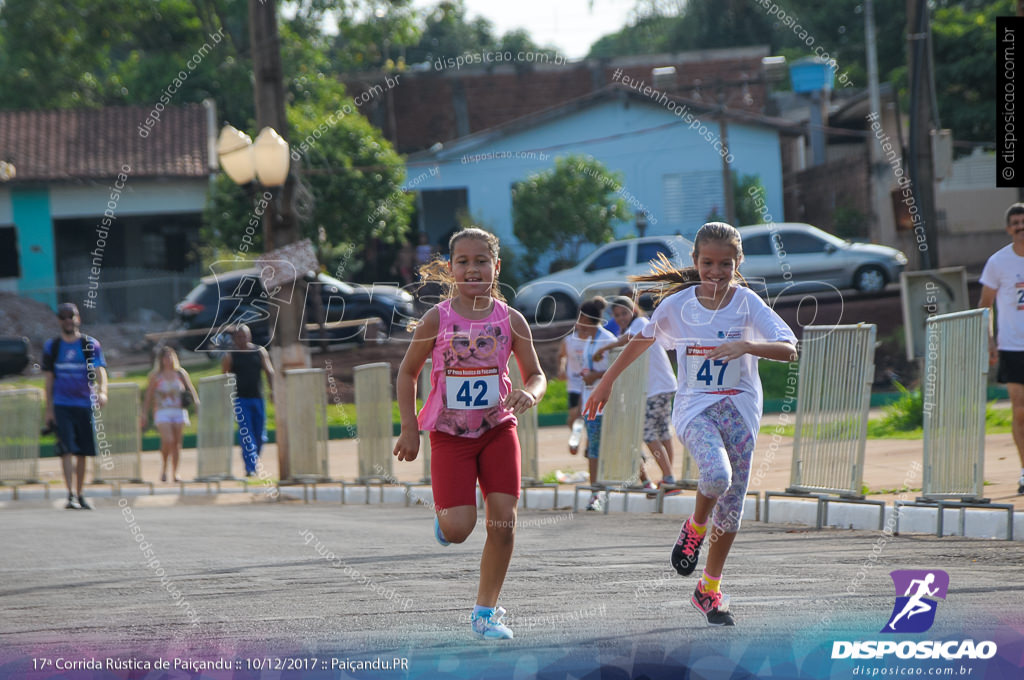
{"x":661,"y":384}
{"x":719,"y":330}
{"x":168,"y":382}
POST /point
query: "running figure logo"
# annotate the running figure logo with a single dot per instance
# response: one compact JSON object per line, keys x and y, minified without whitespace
{"x":914,"y":611}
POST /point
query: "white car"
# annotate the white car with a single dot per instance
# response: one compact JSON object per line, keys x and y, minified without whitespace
{"x":805,"y":259}
{"x":603,"y":272}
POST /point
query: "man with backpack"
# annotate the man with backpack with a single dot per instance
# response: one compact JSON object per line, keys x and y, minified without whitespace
{"x":76,"y":379}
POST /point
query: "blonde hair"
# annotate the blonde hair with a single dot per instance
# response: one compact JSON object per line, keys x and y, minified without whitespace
{"x":437,"y":270}
{"x":664,"y":272}
{"x":158,"y":361}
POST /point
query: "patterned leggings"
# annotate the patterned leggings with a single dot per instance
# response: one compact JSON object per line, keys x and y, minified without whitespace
{"x":722,"y":445}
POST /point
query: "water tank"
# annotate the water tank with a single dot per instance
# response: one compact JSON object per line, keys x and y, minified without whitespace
{"x":812,"y":74}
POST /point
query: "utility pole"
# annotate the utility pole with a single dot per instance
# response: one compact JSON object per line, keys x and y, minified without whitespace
{"x":920,"y":164}
{"x":1020,"y":13}
{"x":728,"y":192}
{"x":280,"y":223}
{"x":883,"y":230}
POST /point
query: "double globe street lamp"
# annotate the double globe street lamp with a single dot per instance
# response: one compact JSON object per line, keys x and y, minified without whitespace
{"x":265,"y":161}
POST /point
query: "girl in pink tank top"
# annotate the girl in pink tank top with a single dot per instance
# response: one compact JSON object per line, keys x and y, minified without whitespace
{"x":471,"y":410}
{"x":470,"y":381}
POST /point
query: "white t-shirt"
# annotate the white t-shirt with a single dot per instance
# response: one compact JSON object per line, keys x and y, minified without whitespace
{"x":683,"y":323}
{"x":660,"y":378}
{"x":580,"y":353}
{"x":1004,"y":271}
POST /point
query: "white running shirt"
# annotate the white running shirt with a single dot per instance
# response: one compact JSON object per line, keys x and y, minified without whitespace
{"x":683,"y":323}
{"x":1004,"y":271}
{"x":580,"y":353}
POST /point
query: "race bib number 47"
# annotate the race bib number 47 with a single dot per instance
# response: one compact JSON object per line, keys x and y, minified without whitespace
{"x":709,"y":374}
{"x":471,"y":388}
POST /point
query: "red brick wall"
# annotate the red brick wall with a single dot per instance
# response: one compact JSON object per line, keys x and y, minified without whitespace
{"x":813,"y":195}
{"x":425,"y":103}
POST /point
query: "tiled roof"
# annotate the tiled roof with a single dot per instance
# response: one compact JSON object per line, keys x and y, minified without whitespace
{"x":438,"y":106}
{"x":81,"y":144}
{"x":608,"y":93}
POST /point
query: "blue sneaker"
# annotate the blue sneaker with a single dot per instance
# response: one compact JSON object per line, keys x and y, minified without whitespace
{"x":491,"y":628}
{"x":438,"y":535}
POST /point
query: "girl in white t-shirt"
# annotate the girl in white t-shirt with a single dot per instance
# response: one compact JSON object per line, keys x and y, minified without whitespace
{"x":661,"y":384}
{"x":719,"y":329}
{"x":570,"y":369}
{"x":587,"y":337}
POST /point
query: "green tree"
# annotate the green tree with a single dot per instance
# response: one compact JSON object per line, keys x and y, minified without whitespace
{"x":100,"y":52}
{"x":519,"y":40}
{"x":965,"y":52}
{"x":559,"y":210}
{"x":963,"y":33}
{"x":447,"y":33}
{"x":90,"y":53}
{"x":709,"y":24}
{"x":745,"y":187}
{"x":745,"y":207}
{"x":351,"y":178}
{"x":375,"y":34}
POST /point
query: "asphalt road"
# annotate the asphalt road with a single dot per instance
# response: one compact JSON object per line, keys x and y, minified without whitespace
{"x":247,"y":583}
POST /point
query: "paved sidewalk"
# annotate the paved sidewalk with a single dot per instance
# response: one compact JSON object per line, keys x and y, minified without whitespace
{"x":887,"y":464}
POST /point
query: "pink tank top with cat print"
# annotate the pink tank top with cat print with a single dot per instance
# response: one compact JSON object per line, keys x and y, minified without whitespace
{"x":469,"y":380}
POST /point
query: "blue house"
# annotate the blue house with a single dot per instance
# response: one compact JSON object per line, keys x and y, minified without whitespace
{"x":668,"y":149}
{"x":100,"y":211}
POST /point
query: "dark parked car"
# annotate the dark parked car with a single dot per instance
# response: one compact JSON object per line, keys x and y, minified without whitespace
{"x":239,"y":297}
{"x":14,"y":355}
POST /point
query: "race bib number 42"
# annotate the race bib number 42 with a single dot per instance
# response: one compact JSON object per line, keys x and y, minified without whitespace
{"x":709,"y":374}
{"x":472,"y":388}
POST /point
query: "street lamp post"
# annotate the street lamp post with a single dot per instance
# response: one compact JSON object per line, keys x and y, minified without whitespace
{"x":267,"y":162}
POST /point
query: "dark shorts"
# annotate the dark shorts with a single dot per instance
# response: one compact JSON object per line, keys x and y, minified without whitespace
{"x":1011,"y":367}
{"x":574,"y":399}
{"x":74,"y":430}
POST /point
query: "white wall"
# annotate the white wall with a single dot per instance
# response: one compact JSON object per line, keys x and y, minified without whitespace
{"x":139,"y":197}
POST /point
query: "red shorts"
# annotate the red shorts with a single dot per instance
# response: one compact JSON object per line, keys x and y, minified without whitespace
{"x":457,"y":462}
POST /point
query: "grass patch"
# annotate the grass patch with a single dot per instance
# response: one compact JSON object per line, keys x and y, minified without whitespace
{"x":997,"y":421}
{"x":774,"y":375}
{"x":874,"y":492}
{"x":556,"y":398}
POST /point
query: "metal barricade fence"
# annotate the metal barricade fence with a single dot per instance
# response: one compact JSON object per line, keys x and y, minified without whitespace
{"x":529,"y":447}
{"x":307,"y":423}
{"x":215,"y":436}
{"x":953,"y":390}
{"x":118,"y":436}
{"x":526,"y":429}
{"x":622,"y":426}
{"x":834,"y":394}
{"x":21,"y":419}
{"x":373,"y":421}
{"x":833,"y":398}
{"x":619,"y":456}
